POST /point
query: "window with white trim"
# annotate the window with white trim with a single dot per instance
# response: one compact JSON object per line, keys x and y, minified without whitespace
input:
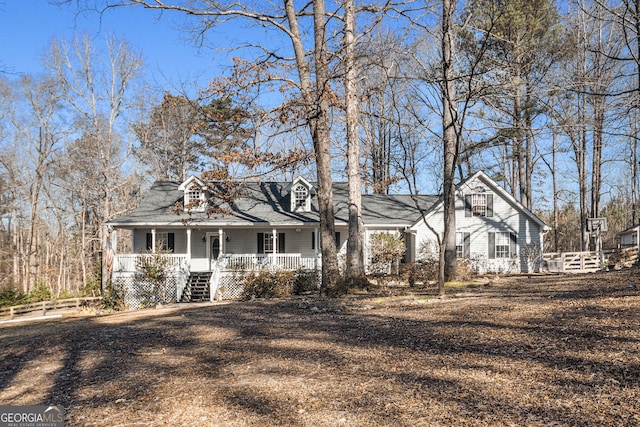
{"x":300,"y":196}
{"x":194,"y":199}
{"x":459,"y":245}
{"x":162,"y":241}
{"x":479,"y":204}
{"x":503,"y":244}
{"x":463,"y":240}
{"x":268,"y":243}
{"x":165,"y":241}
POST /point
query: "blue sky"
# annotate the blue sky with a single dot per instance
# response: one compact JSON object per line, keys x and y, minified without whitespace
{"x":27,"y":27}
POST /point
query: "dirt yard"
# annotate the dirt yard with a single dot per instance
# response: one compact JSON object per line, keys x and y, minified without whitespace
{"x":539,"y":351}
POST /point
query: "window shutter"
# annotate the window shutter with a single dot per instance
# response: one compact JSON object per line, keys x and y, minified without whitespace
{"x":338,"y":240}
{"x":149,"y":242}
{"x":313,"y":240}
{"x":171,"y":240}
{"x":466,"y":248}
{"x":512,"y":245}
{"x":260,"y":243}
{"x":489,"y":204}
{"x":467,"y":205}
{"x":281,"y":246}
{"x":492,"y":245}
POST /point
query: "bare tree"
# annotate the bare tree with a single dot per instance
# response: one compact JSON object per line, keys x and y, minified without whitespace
{"x":39,"y":133}
{"x":313,"y":83}
{"x":100,"y":93}
{"x":450,"y":139}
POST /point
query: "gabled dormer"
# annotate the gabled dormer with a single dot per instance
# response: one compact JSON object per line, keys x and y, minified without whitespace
{"x":301,"y":191}
{"x":195,"y":194}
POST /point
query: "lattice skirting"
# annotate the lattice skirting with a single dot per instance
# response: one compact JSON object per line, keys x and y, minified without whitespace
{"x":230,"y":286}
{"x":140,"y":293}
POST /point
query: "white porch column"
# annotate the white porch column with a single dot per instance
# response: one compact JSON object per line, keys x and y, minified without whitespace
{"x":188,"y":243}
{"x":153,"y":240}
{"x":222,"y":241}
{"x":275,"y":241}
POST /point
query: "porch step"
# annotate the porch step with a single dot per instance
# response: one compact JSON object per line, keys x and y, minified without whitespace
{"x":197,"y":288}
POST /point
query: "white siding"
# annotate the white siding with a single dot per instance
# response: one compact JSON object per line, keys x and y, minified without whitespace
{"x":140,"y":239}
{"x":629,"y":238}
{"x":240,"y":241}
{"x":245,"y":241}
{"x":506,"y":218}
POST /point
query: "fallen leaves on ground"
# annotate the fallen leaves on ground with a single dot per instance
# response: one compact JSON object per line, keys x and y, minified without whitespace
{"x":511,"y":351}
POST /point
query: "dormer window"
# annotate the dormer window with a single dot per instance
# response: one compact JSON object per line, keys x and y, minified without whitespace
{"x":194,"y":199}
{"x":300,"y":196}
{"x":194,"y":194}
{"x":300,"y":191}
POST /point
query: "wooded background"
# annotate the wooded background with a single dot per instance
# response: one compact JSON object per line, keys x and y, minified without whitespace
{"x":544,"y":98}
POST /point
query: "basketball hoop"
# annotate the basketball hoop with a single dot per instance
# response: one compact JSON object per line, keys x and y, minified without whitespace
{"x":596,"y":224}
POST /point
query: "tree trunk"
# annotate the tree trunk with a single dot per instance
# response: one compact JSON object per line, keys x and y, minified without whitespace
{"x":555,"y":189}
{"x":355,"y":264}
{"x":447,"y":270}
{"x":596,"y":163}
{"x":528,"y":147}
{"x":318,"y":112}
{"x":581,"y":161}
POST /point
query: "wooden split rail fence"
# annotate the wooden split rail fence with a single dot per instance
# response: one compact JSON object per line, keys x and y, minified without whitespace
{"x":43,"y":306}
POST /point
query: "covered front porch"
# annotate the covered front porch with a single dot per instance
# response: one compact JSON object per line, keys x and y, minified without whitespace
{"x":231,"y":248}
{"x":202,"y":260}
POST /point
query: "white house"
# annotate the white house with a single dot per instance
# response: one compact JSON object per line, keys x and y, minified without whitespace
{"x":495,"y":231}
{"x":275,"y":225}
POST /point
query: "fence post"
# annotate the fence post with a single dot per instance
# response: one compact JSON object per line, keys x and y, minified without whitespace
{"x":11,"y":313}
{"x":44,"y":308}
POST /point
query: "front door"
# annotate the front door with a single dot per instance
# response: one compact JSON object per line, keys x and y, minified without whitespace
{"x":213,"y":249}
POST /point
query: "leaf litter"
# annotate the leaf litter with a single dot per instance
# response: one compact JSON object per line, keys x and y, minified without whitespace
{"x":522,"y":350}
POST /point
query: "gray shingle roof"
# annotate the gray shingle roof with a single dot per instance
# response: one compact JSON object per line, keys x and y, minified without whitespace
{"x":269,"y":203}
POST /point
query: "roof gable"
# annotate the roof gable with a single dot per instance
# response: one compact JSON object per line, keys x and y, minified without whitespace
{"x":495,"y":188}
{"x":192,"y":179}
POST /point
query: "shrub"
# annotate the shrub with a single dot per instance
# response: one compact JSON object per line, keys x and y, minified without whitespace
{"x":92,"y":289}
{"x":279,"y":284}
{"x":386,"y":251}
{"x":154,"y":269}
{"x":13,"y":297}
{"x":40,"y":292}
{"x":306,"y":281}
{"x":113,"y":298}
{"x":465,"y":270}
{"x":266,"y":284}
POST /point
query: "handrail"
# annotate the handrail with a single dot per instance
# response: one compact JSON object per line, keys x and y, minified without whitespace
{"x":45,"y":305}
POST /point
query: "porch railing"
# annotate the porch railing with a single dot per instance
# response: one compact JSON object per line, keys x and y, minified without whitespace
{"x":178,"y":262}
{"x":129,"y":262}
{"x":268,"y":261}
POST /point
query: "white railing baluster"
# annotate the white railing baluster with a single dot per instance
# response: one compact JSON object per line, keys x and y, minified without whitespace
{"x":292,"y":261}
